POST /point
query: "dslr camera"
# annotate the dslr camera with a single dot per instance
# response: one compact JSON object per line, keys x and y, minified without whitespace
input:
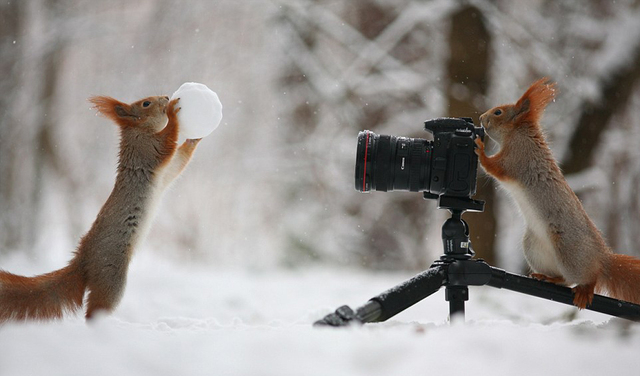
{"x":444,"y":167}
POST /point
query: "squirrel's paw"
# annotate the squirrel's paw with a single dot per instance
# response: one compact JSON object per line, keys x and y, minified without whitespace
{"x":191,"y":142}
{"x":583,"y":295}
{"x":480,"y":145}
{"x":546,"y":278}
{"x":171,"y":107}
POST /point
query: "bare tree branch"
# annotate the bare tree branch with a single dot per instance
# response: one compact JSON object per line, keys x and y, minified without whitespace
{"x":594,"y":118}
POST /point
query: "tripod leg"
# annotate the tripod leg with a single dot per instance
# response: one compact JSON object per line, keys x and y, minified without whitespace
{"x":561,"y":294}
{"x":392,"y":301}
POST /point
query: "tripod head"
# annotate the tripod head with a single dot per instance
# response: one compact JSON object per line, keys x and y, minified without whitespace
{"x":455,"y":231}
{"x":455,"y":203}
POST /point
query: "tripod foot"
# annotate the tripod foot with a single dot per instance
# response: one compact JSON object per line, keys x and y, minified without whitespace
{"x":343,"y":316}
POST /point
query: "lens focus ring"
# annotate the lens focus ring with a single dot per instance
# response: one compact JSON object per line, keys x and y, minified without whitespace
{"x":415,"y":173}
{"x":382,"y":163}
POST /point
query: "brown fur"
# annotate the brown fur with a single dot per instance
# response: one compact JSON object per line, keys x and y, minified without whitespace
{"x":620,"y":278}
{"x":561,"y":243}
{"x":47,"y":296}
{"x":147,"y":163}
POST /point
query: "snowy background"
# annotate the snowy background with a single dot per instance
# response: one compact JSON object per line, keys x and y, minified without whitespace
{"x":264,"y":233}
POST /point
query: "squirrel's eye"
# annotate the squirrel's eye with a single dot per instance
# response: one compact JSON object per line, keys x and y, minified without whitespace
{"x":146,"y":104}
{"x":497,"y":112}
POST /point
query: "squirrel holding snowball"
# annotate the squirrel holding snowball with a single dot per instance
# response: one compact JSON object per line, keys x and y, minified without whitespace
{"x":561,"y":243}
{"x":149,"y":161}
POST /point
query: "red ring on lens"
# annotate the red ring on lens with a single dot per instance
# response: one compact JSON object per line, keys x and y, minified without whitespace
{"x":366,"y":150}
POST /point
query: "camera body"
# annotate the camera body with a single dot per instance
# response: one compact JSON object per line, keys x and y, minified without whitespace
{"x":454,"y":164}
{"x":446,"y":166}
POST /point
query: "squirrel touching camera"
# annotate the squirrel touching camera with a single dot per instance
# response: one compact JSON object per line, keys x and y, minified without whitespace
{"x":561,"y":243}
{"x":149,"y":160}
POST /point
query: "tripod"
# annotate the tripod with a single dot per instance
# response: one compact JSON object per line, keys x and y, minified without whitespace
{"x":456,"y":270}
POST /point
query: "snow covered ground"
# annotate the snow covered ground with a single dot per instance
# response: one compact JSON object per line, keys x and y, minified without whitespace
{"x":186,"y":319}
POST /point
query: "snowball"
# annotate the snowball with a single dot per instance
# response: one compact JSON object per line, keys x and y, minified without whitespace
{"x":201,"y":110}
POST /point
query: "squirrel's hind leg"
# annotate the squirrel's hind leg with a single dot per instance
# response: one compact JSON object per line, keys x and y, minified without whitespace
{"x":583,"y":295}
{"x":98,"y":303}
{"x":104,"y":295}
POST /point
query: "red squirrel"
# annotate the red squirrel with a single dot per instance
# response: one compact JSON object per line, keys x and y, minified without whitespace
{"x":149,"y":160}
{"x":561,"y":243}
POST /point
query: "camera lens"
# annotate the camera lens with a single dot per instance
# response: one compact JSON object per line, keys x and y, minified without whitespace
{"x":387,"y":163}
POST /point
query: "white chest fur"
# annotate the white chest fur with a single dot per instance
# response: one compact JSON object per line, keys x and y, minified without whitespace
{"x":538,"y":248}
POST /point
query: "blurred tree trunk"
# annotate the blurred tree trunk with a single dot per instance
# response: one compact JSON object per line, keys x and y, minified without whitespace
{"x":45,"y":156}
{"x":468,"y":68}
{"x":12,"y":217}
{"x":26,"y":142}
{"x":594,"y":118}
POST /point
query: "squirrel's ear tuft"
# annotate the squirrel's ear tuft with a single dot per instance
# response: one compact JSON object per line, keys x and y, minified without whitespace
{"x":531,"y":105}
{"x":112,"y":109}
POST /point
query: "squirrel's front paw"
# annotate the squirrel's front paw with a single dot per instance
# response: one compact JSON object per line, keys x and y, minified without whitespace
{"x":480,"y":145}
{"x":171,"y":107}
{"x":191,"y":142}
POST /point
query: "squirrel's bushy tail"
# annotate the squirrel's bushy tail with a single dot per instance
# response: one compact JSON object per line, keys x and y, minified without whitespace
{"x":621,"y":278}
{"x":47,"y":296}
